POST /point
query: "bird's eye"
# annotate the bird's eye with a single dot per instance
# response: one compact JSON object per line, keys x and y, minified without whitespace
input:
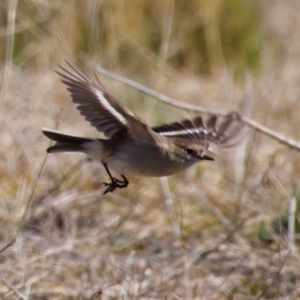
{"x":189,"y":151}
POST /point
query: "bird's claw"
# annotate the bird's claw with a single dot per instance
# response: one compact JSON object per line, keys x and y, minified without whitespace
{"x":115,"y":183}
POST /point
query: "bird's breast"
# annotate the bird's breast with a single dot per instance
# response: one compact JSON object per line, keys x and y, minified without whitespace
{"x":143,"y":159}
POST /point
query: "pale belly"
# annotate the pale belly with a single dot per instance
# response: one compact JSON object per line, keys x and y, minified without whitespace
{"x":147,"y":161}
{"x":134,"y":158}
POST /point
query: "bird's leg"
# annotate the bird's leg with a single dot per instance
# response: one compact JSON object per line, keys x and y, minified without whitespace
{"x":115,"y":183}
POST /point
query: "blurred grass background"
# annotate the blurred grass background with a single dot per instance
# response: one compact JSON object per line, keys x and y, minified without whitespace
{"x":226,"y":236}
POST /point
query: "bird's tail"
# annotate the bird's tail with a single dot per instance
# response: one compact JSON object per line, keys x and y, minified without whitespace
{"x":64,"y":142}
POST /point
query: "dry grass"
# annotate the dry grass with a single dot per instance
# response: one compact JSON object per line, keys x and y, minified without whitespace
{"x":225,"y":235}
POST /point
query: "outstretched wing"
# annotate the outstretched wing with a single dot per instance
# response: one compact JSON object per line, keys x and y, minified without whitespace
{"x":104,"y":112}
{"x":230,"y":132}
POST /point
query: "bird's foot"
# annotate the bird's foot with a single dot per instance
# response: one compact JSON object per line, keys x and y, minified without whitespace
{"x":115,"y":183}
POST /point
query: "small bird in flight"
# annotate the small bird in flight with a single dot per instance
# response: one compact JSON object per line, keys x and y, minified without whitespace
{"x":131,"y":146}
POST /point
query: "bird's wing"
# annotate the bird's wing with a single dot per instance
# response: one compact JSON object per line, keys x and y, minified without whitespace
{"x":228,"y":134}
{"x":104,"y":112}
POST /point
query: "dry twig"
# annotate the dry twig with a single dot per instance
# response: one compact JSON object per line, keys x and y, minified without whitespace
{"x":196,"y":108}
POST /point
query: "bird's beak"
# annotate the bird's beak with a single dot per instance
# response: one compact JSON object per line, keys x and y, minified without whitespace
{"x":206,"y":157}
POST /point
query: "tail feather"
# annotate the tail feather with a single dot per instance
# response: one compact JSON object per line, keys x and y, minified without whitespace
{"x":58,"y":148}
{"x":64,"y":142}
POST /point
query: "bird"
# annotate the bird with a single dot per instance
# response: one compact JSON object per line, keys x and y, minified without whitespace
{"x":131,"y":147}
